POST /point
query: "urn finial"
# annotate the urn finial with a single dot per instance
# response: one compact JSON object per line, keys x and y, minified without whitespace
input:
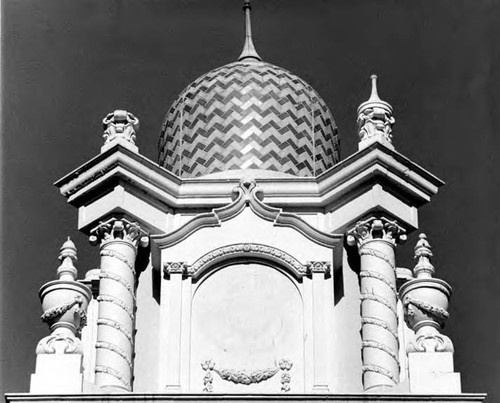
{"x":375,"y":119}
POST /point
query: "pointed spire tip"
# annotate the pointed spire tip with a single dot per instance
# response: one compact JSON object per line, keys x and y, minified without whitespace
{"x":249,"y":51}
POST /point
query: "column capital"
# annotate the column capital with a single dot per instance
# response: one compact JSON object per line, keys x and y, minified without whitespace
{"x":116,"y":229}
{"x":376,"y":227}
{"x":175,"y":267}
{"x":318,"y":267}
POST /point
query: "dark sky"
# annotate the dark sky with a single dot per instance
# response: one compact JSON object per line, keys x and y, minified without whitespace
{"x":66,"y":64}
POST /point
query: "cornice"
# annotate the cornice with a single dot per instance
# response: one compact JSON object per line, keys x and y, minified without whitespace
{"x":374,"y":163}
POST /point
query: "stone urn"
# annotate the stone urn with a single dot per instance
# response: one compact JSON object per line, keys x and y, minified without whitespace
{"x":64,"y":304}
{"x":425,"y":300}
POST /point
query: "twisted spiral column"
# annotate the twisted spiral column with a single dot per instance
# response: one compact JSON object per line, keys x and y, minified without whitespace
{"x":376,"y":239}
{"x":118,"y":239}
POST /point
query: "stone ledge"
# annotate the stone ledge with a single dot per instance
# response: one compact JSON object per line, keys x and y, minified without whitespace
{"x":188,"y":398}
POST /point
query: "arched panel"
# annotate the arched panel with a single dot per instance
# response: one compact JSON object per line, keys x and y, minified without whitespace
{"x":247,"y":318}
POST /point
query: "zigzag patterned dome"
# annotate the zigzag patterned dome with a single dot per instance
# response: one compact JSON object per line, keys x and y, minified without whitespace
{"x":248,"y":115}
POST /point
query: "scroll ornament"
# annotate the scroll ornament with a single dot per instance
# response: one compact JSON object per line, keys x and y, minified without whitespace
{"x":246,"y":377}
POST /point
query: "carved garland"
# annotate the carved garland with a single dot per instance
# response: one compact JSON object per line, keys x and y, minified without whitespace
{"x":117,"y":326}
{"x":380,"y":323}
{"x":61,"y":309}
{"x":118,"y":302}
{"x":118,"y":279}
{"x":437,"y":311}
{"x":114,"y":348}
{"x":245,"y":377}
{"x":379,"y":370}
{"x":119,"y":256}
{"x":112,"y":372}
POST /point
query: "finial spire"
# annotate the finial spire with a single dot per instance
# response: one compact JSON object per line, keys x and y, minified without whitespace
{"x":423,"y":255}
{"x":249,"y":51}
{"x":374,"y":95}
{"x":375,"y":119}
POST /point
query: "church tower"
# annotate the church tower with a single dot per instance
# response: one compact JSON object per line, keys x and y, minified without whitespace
{"x":250,"y":262}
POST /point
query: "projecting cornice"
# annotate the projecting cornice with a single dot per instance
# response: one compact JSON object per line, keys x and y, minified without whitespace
{"x":124,"y":176}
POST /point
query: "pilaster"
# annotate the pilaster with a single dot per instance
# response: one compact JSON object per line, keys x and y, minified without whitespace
{"x":318,"y":270}
{"x":173,"y":316}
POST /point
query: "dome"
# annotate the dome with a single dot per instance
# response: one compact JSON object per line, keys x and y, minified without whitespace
{"x":248,"y":114}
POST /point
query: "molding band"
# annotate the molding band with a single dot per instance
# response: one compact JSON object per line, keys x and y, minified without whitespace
{"x":119,"y":279}
{"x":249,"y":249}
{"x":380,"y":346}
{"x":382,"y":324}
{"x":378,"y":276}
{"x":117,"y":326}
{"x":114,"y":348}
{"x":379,"y":370}
{"x":119,"y":256}
{"x":373,"y":297}
{"x":110,"y":371}
{"x":113,"y":300}
{"x":375,"y":253}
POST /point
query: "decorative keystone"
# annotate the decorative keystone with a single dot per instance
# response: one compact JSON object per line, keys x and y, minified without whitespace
{"x":375,"y":120}
{"x":120,"y":126}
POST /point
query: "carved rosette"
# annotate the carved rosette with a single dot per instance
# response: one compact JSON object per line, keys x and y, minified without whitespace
{"x":120,"y":125}
{"x":376,"y":239}
{"x":118,"y":240}
{"x":425,"y":300}
{"x":64,"y":304}
{"x":375,"y":119}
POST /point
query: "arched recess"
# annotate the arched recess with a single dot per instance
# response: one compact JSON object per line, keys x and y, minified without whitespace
{"x":247,"y":315}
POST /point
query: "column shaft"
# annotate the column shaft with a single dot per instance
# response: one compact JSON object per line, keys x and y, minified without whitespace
{"x":380,"y":343}
{"x":116,"y":318}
